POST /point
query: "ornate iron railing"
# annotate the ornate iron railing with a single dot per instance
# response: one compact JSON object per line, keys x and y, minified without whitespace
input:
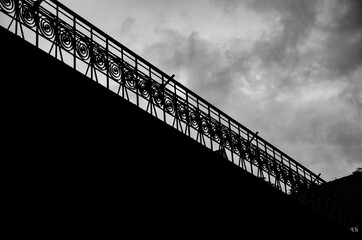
{"x":54,"y":28}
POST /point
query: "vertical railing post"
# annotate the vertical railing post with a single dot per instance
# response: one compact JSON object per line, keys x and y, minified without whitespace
{"x":268,"y":164}
{"x":249,"y":153}
{"x":240,"y":149}
{"x":123,"y":83}
{"x":37,"y":21}
{"x":74,"y":42}
{"x":209,"y":127}
{"x":107,"y":65}
{"x":197,"y":115}
{"x":56,"y":37}
{"x":136,"y":79}
{"x":162,"y":92}
{"x":91,"y":57}
{"x":231,"y":141}
{"x":187,"y":115}
{"x":16,"y":16}
{"x":219,"y":128}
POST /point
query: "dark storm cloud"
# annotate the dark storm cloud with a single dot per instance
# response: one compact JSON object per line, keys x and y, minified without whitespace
{"x":343,"y":46}
{"x":295,"y":19}
{"x":279,"y":50}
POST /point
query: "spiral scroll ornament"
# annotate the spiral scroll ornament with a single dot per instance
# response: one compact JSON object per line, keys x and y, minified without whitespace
{"x":266,"y":163}
{"x":233,"y":141}
{"x":27,"y":15}
{"x":7,"y":5}
{"x":216,"y":131}
{"x":222,"y":136}
{"x":99,"y":58}
{"x":82,"y":49}
{"x":239,"y":146}
{"x":282,"y":173}
{"x":157,"y":95}
{"x":46,"y":26}
{"x":66,"y":39}
{"x":193,"y":118}
{"x":114,"y":70}
{"x":182,"y":112}
{"x":130,"y":79}
{"x":205,"y":126}
{"x":290,"y":178}
{"x":170,"y":104}
{"x":260,"y":159}
{"x":276,"y":170}
{"x":227,"y":138}
{"x":294,"y":178}
{"x":144,"y":88}
{"x":212,"y":129}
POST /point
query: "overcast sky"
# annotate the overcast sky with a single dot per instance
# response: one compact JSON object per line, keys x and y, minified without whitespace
{"x":290,"y":69}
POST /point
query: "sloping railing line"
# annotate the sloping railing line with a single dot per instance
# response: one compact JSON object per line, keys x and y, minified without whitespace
{"x":89,"y":50}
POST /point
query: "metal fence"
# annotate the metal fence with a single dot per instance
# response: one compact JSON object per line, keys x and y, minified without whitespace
{"x":56,"y":29}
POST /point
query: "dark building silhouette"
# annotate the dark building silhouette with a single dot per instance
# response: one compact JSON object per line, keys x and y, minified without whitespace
{"x":81,"y":158}
{"x":350,"y":186}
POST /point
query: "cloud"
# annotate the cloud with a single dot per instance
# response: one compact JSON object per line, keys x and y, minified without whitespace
{"x":197,"y":62}
{"x":294,"y":22}
{"x":343,"y":45}
{"x":127,"y":25}
{"x":341,"y":23}
{"x":298,"y":84}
